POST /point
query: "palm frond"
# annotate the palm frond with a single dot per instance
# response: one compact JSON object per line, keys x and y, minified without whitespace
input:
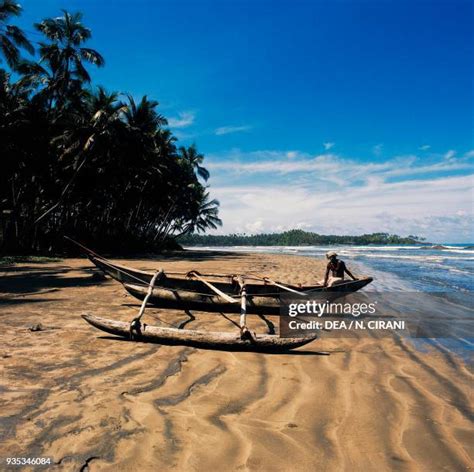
{"x":9,"y":8}
{"x":81,"y":71}
{"x":10,"y":51}
{"x":92,"y":56}
{"x":19,"y":38}
{"x":51,"y":28}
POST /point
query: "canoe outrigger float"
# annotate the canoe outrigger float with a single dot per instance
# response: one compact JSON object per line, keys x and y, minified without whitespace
{"x":202,"y":339}
{"x":219,"y":293}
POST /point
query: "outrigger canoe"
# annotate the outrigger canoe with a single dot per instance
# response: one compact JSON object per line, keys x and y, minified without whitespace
{"x":194,"y":291}
{"x":211,"y":292}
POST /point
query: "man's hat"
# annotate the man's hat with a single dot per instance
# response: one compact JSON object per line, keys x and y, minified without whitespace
{"x":331,"y":254}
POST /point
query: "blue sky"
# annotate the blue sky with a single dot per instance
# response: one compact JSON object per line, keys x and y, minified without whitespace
{"x":333,"y":116}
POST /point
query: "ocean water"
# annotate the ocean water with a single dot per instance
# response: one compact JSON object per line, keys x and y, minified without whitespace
{"x":445,"y":272}
{"x":412,"y":268}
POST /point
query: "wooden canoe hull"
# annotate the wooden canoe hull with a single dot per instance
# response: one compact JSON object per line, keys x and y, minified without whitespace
{"x":201,"y":339}
{"x":120,"y":273}
{"x":134,"y":277}
{"x":257,"y":303}
{"x":180,"y":292}
{"x":211,"y":302}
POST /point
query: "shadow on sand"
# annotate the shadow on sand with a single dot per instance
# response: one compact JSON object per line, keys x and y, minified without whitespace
{"x":173,"y":256}
{"x":19,"y":301}
{"x":223,"y":348}
{"x":31,"y":280}
{"x":36,"y":278}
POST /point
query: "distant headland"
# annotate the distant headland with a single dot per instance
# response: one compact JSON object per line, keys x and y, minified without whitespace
{"x":297,"y":237}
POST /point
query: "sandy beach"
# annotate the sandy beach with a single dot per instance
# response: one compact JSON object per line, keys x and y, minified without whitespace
{"x":94,"y":403}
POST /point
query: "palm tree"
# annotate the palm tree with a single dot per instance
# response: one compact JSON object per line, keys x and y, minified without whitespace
{"x":65,"y":56}
{"x":143,"y":124}
{"x":195,"y":159}
{"x":100,"y":168}
{"x":89,"y":133}
{"x":203,"y":216}
{"x":142,"y":117}
{"x":11,"y":37}
{"x":20,"y":157}
{"x":207,"y":217}
{"x":91,"y":126}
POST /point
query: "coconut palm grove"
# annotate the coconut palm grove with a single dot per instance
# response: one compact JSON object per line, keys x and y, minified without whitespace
{"x":83,"y":161}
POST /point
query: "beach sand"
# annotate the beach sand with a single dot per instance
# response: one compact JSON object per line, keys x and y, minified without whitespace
{"x":72,"y":393}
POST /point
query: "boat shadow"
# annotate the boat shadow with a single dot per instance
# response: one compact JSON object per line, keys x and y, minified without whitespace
{"x":223,"y":348}
{"x":33,"y":280}
{"x":4,"y":302}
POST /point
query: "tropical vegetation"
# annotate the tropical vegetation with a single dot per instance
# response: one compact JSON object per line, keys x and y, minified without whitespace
{"x":296,"y":237}
{"x":79,"y":160}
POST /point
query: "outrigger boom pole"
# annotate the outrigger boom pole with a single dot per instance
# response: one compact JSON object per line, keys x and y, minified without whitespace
{"x":136,"y":324}
{"x":245,"y":333}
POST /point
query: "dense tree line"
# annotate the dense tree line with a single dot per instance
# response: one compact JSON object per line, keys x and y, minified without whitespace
{"x":295,"y":237}
{"x":79,"y":160}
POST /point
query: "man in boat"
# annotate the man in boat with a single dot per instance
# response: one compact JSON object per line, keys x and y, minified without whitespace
{"x":335,"y":270}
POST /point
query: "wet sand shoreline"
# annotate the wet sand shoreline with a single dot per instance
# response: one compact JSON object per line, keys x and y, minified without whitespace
{"x":89,"y":401}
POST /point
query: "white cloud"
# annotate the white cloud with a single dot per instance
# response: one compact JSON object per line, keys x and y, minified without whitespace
{"x":279,"y":190}
{"x":231,"y":129}
{"x":277,"y":165}
{"x":439,"y":209}
{"x":255,"y":227}
{"x":184,"y":119}
{"x":328,"y":146}
{"x":326,"y":166}
{"x":425,"y":147}
{"x":450,"y":155}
